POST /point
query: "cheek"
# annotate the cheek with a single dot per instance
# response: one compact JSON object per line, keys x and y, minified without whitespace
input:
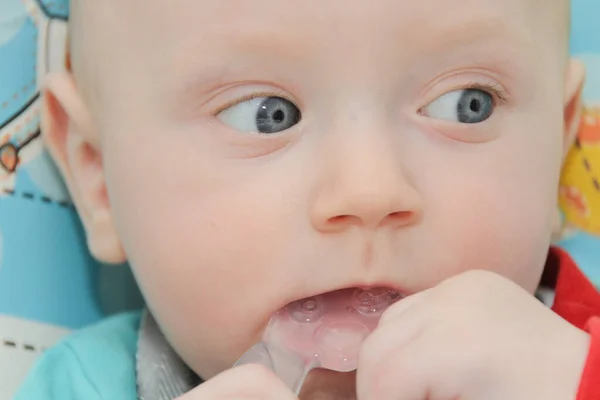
{"x":486,"y":235}
{"x":206,"y":243}
{"x":493,"y":208}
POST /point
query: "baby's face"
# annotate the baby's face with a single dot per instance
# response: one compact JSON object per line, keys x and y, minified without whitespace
{"x":260,"y":152}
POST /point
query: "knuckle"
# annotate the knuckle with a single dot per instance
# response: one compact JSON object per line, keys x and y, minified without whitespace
{"x":473,"y":287}
{"x":478,"y":276}
{"x":475,"y":280}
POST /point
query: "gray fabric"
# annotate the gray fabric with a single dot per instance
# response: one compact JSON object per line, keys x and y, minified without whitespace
{"x":161,"y":374}
{"x":117,"y":289}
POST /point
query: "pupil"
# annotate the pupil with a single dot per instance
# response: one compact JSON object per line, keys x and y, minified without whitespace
{"x":278,"y":116}
{"x":474,"y":106}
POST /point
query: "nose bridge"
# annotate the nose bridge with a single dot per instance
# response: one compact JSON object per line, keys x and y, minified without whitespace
{"x":365,"y":161}
{"x":365,"y":179}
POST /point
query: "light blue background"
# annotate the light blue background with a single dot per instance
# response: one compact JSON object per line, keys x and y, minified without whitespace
{"x":46,"y":273}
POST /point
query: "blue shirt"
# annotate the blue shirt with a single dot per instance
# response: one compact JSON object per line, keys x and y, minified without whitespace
{"x":92,"y":364}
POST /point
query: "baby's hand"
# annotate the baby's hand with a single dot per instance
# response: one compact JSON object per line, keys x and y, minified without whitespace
{"x":477,"y":336}
{"x":249,"y":382}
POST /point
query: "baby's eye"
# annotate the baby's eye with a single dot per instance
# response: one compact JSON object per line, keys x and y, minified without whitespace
{"x":261,"y":114}
{"x":467,"y":106}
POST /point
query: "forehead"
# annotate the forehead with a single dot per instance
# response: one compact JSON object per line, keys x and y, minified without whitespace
{"x":232,"y":18}
{"x":235,"y":10}
{"x":169,"y":35}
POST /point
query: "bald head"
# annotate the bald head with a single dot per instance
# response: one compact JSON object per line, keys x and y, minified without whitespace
{"x":104,"y":32}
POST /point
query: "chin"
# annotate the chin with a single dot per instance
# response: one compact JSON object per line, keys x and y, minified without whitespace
{"x":322,"y":384}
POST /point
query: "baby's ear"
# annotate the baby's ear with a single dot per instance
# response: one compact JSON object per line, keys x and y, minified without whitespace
{"x":574,"y":81}
{"x":72,"y":139}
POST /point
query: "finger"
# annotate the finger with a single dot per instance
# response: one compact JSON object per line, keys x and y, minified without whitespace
{"x":250,"y":381}
{"x":397,"y":309}
{"x":413,"y":371}
{"x":387,"y":345}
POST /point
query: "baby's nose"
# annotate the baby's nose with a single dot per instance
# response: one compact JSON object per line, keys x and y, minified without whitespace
{"x":367,"y":186}
{"x":363,"y":204}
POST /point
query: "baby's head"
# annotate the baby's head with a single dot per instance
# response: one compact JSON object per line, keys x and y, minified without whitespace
{"x":242,"y":155}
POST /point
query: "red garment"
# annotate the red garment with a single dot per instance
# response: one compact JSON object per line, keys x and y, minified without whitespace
{"x":578,"y":302}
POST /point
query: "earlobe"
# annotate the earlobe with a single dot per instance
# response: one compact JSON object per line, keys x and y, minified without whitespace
{"x":72,"y":139}
{"x":573,"y":108}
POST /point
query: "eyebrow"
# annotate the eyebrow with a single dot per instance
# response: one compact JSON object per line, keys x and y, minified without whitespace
{"x":463,"y":32}
{"x":248,"y":43}
{"x":257,"y":40}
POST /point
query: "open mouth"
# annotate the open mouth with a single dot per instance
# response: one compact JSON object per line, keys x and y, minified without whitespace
{"x":327,"y":330}
{"x":322,"y":332}
{"x":365,"y":301}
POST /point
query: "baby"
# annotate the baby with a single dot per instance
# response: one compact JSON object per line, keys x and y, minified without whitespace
{"x":242,"y":155}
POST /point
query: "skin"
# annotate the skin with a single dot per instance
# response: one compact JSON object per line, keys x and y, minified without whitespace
{"x":224,"y":227}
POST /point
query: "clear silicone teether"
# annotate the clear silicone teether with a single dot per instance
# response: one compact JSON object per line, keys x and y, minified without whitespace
{"x":319,"y":332}
{"x":289,"y":367}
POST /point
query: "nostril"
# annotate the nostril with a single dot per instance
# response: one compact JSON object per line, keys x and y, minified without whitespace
{"x":342,"y":219}
{"x":400,"y":214}
{"x":400,"y":218}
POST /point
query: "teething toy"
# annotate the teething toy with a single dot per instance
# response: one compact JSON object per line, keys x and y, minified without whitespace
{"x":324,"y":331}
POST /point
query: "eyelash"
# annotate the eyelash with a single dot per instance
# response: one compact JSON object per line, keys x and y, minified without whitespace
{"x":272,"y":93}
{"x":494,"y":89}
{"x":499,"y":95}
